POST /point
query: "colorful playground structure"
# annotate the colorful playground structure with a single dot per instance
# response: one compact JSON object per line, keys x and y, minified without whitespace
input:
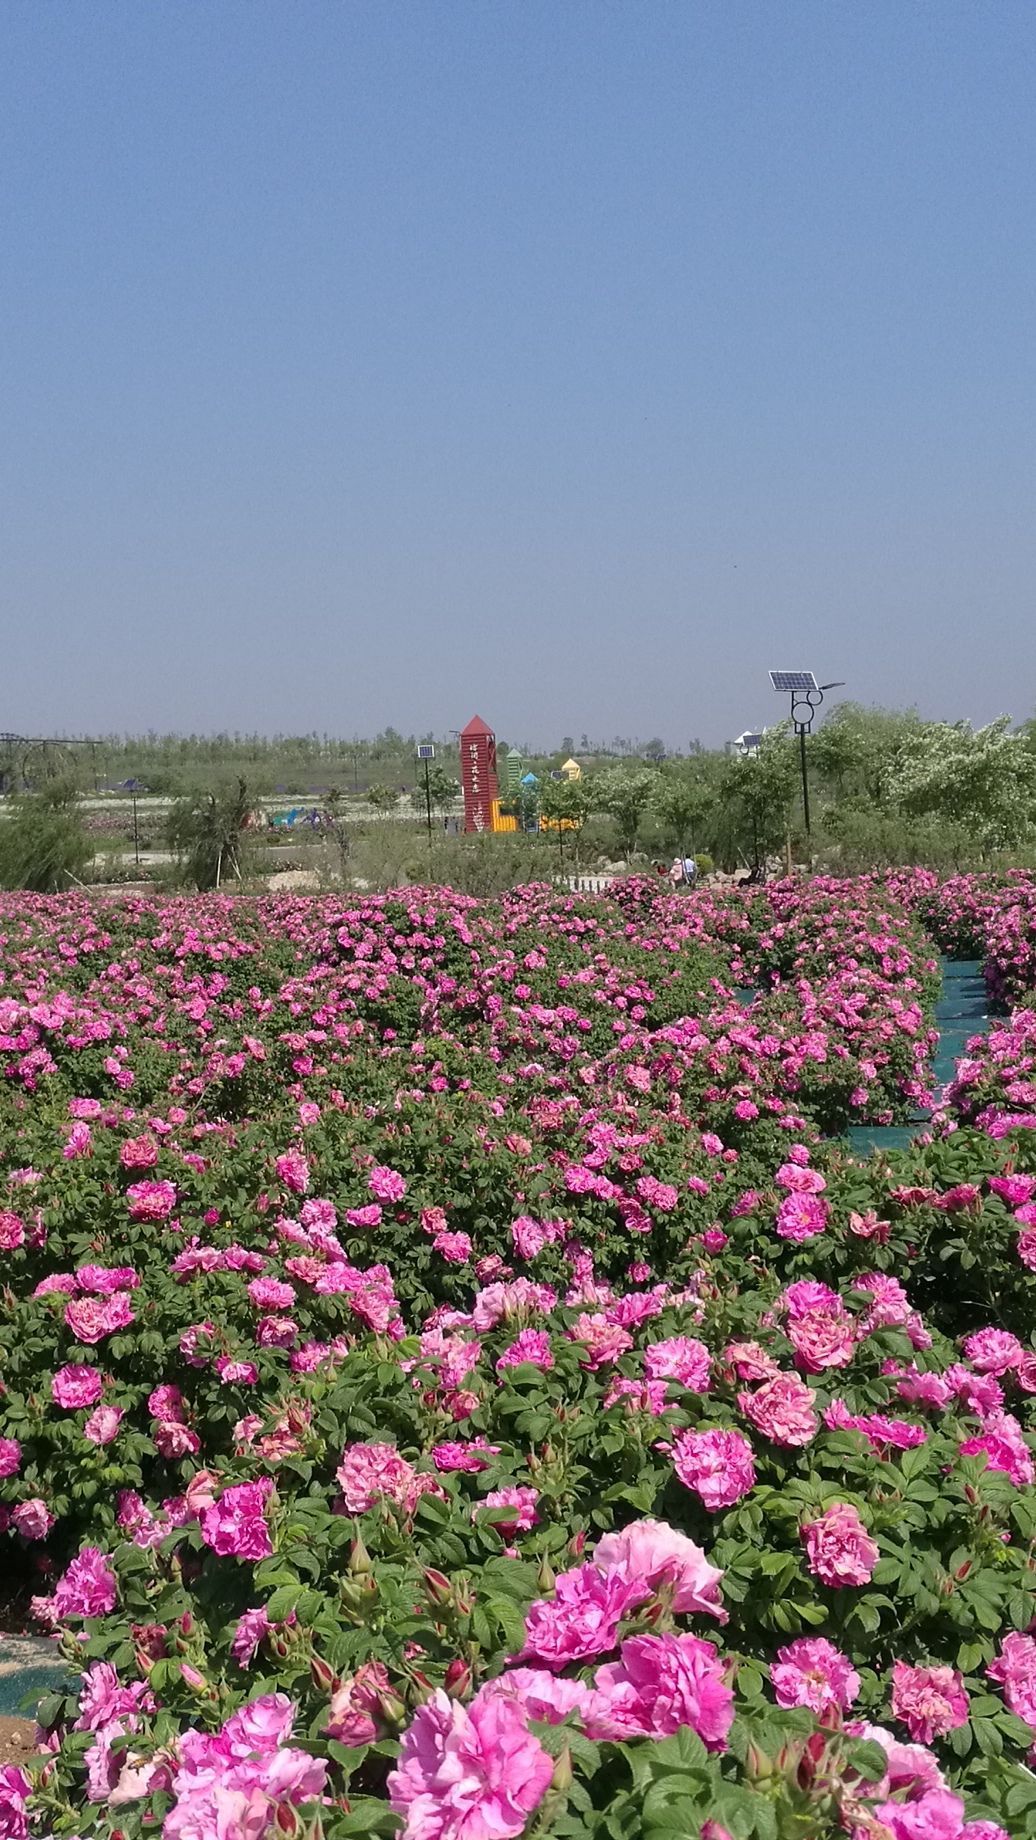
{"x":518,"y":809}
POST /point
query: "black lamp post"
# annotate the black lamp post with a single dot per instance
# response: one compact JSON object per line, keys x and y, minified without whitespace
{"x":133,"y":786}
{"x":806,"y":697}
{"x":426,"y":752}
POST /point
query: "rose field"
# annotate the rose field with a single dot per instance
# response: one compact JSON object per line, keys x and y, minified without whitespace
{"x":458,"y":1382}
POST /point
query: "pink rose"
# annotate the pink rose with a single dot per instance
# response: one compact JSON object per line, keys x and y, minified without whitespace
{"x":102,"y":1426}
{"x":1015,"y":1671}
{"x":649,"y":1555}
{"x":466,"y":1772}
{"x":355,"y":1716}
{"x":531,"y":1345}
{"x":386,"y":1184}
{"x":33,"y":1519}
{"x":236,"y":1523}
{"x":782,"y":1409}
{"x":718,"y":1465}
{"x":293,"y":1170}
{"x":151,"y":1200}
{"x":582,"y":1619}
{"x":92,"y":1318}
{"x":682,"y":1358}
{"x":660,"y":1684}
{"x":930,"y":1700}
{"x":12,"y":1231}
{"x":86,"y":1589}
{"x":73,"y":1387}
{"x":813,"y":1672}
{"x":839,"y":1550}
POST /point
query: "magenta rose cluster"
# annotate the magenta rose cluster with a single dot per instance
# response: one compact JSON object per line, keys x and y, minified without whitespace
{"x":458,"y":1381}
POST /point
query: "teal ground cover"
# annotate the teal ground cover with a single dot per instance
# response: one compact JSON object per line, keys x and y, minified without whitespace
{"x":30,"y":1666}
{"x":961,"y":1012}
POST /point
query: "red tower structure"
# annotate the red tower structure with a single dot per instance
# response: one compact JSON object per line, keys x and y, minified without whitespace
{"x":478,"y":774}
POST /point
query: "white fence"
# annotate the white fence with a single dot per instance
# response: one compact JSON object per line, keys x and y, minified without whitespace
{"x":590,"y":884}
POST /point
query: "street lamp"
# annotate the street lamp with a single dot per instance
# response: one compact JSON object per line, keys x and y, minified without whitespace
{"x":133,"y":786}
{"x":806,"y":697}
{"x":426,"y":752}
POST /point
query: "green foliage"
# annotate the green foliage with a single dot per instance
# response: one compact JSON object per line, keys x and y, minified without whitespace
{"x":756,"y":793}
{"x":208,"y":832}
{"x":682,"y":801}
{"x":443,"y":789}
{"x":624,"y":794}
{"x":43,"y":845}
{"x":982,"y":779}
{"x":382,"y":798}
{"x":566,"y":800}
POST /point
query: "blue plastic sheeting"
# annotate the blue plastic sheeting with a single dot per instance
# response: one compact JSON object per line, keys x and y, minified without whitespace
{"x":864,"y":1139}
{"x":29,"y":1667}
{"x":961,"y":1012}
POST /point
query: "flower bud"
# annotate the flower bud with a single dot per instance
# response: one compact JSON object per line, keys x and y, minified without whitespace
{"x":458,"y":1678}
{"x":758,"y":1766}
{"x":438,"y":1587}
{"x":392,"y":1708}
{"x":546,"y":1575}
{"x":192,"y":1677}
{"x":359,"y":1558}
{"x":322,"y":1674}
{"x":562,"y":1777}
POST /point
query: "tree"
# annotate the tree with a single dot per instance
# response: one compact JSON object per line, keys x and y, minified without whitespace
{"x":442,"y":787}
{"x":857,"y":753}
{"x":333,"y":821}
{"x":655,"y":750}
{"x":207,"y":831}
{"x":982,"y":779}
{"x":755,"y":798}
{"x":624,"y":796}
{"x":565,"y":801}
{"x":382,"y":798}
{"x":681,"y":801}
{"x":565,"y":804}
{"x":43,"y":844}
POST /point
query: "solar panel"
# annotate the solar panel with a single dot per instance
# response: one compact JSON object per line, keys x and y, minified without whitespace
{"x":793,"y":680}
{"x":425,"y":751}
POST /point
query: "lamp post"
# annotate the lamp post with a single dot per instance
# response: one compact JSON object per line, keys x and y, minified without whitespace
{"x":426,"y":752}
{"x":133,"y":786}
{"x":806,"y":697}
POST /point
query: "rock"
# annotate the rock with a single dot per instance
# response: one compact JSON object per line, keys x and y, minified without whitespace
{"x":296,"y":879}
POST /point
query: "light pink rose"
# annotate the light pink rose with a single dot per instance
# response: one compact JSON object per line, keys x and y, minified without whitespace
{"x":468,"y":1773}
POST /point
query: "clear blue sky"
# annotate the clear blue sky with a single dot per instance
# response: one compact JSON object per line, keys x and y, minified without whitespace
{"x":568,"y":362}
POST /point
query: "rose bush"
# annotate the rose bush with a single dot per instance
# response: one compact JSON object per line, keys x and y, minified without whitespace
{"x":455,"y":1382}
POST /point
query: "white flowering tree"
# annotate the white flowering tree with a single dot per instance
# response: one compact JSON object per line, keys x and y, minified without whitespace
{"x":982,"y":779}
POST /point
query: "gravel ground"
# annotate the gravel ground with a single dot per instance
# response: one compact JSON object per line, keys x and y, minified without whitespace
{"x":17,"y":1740}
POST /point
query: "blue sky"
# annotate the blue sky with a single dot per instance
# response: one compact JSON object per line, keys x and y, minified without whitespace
{"x":573,"y":363}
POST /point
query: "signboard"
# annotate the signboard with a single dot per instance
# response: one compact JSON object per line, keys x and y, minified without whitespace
{"x":478,"y":774}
